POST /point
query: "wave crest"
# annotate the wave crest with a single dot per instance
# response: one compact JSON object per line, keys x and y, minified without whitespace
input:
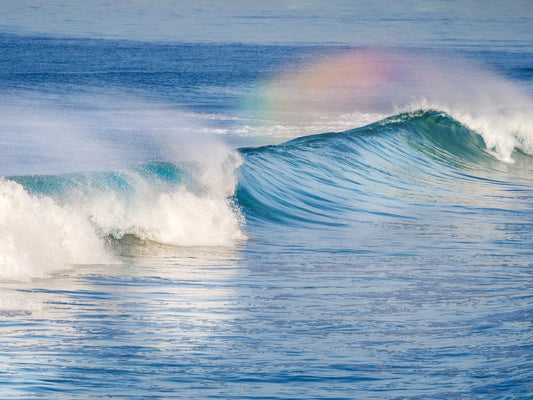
{"x":50,"y":223}
{"x":198,"y":213}
{"x":376,"y":82}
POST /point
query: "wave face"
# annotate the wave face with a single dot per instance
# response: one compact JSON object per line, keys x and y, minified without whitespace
{"x":406,"y":166}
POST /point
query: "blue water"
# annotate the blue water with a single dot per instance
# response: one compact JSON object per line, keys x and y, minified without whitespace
{"x":203,"y":217}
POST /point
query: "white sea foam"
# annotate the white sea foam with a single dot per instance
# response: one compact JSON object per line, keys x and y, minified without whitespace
{"x":176,"y":216}
{"x":39,"y":237}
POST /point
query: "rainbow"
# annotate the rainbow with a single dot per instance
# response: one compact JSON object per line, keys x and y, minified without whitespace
{"x":355,"y":81}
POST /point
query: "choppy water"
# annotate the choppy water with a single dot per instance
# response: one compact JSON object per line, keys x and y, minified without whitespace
{"x":208,"y":220}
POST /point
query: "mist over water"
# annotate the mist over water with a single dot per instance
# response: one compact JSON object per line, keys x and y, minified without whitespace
{"x":97,"y":131}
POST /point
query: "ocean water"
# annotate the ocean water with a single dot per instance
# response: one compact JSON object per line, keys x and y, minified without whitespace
{"x":282,"y":204}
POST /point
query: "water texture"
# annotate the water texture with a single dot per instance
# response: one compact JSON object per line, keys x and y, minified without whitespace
{"x":215,"y":218}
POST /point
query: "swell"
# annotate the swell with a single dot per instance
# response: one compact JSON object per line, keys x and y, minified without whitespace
{"x":409,"y":166}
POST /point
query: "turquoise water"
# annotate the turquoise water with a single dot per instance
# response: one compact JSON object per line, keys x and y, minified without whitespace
{"x":290,"y":215}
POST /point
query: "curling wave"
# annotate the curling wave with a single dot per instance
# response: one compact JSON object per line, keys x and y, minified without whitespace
{"x":397,"y":167}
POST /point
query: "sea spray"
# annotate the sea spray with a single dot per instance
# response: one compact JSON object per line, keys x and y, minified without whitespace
{"x":357,"y":87}
{"x":55,"y":214}
{"x":96,"y":131}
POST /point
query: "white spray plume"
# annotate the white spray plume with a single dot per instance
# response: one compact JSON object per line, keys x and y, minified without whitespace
{"x":377,"y":83}
{"x":40,"y":235}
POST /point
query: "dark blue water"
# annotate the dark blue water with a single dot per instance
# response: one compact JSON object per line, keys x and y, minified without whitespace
{"x":214,"y":218}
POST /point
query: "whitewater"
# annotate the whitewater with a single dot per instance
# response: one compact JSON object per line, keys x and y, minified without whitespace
{"x":230,"y":220}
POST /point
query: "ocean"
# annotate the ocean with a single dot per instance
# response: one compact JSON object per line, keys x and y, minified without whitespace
{"x":293,"y":202}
